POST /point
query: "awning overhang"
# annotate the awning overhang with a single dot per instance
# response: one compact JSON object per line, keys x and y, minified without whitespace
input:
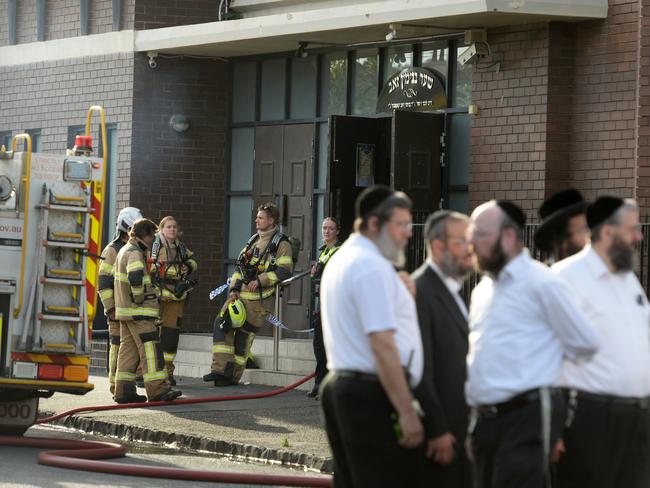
{"x":358,"y":23}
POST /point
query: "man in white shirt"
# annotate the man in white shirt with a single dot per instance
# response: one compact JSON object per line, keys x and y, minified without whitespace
{"x":374,"y":350}
{"x":608,"y":441}
{"x":522,"y":324}
{"x":442,"y":315}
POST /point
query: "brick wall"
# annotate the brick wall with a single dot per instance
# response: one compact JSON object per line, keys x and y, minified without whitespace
{"x":25,"y":21}
{"x":152,"y":14}
{"x":183,"y":174}
{"x":53,"y":96}
{"x":643,"y":115}
{"x":62,"y":19}
{"x":4,"y":35}
{"x":508,"y":137}
{"x":604,"y":120}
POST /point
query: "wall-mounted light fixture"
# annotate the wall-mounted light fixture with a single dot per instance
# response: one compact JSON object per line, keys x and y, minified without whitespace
{"x":179,"y":123}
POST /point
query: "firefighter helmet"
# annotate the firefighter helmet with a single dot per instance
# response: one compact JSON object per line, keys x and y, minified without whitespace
{"x":126,"y":218}
{"x":237,"y":313}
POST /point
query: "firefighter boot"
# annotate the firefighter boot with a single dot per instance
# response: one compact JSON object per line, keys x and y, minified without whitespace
{"x":129,"y":395}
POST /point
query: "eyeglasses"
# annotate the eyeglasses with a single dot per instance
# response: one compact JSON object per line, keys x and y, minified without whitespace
{"x":405,"y":226}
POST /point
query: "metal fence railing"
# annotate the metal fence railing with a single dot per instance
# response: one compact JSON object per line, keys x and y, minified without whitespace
{"x":417,"y":252}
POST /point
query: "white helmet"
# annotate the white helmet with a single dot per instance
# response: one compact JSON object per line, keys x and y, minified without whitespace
{"x":126,"y":218}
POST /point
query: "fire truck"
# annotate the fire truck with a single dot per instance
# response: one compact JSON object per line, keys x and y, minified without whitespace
{"x":50,"y":239}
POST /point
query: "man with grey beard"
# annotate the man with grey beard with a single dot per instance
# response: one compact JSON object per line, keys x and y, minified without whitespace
{"x":374,"y":350}
{"x":608,"y":440}
{"x":442,"y":315}
{"x":522,"y":324}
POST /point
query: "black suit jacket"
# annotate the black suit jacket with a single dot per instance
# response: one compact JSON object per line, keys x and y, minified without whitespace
{"x":444,"y":339}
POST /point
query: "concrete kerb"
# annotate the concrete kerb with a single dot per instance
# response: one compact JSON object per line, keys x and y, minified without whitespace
{"x":235,"y":450}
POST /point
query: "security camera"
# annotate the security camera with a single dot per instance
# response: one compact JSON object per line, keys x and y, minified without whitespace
{"x":152,"y":55}
{"x":393,"y":32}
{"x":474,"y":53}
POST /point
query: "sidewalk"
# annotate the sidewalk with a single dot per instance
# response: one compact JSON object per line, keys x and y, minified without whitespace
{"x":284,"y":428}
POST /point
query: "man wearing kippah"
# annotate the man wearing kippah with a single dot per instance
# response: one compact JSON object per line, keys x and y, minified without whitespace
{"x":607,"y":440}
{"x":563,"y":230}
{"x":374,"y":350}
{"x":522,"y":324}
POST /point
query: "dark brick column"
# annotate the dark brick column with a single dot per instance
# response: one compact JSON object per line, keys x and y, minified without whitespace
{"x":183,"y":174}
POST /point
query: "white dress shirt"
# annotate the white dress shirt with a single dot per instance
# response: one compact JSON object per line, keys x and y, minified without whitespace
{"x":453,"y":285}
{"x":617,"y":306}
{"x":521,"y":326}
{"x":360,"y":294}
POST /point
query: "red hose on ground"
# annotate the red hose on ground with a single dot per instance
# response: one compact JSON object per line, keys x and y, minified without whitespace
{"x":83,"y":455}
{"x":188,"y":401}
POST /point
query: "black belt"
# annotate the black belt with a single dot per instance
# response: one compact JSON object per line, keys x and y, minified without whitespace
{"x":637,"y":402}
{"x":518,"y":401}
{"x":356,"y":375}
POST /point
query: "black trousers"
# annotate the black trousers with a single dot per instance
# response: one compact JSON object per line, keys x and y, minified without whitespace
{"x":457,"y":474}
{"x":359,"y":423}
{"x":509,"y":448}
{"x":319,"y":351}
{"x":607,"y":446}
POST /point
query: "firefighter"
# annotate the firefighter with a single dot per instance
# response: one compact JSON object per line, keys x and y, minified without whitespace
{"x":136,"y":307}
{"x":330,"y":230}
{"x":125,"y":220}
{"x":173,"y":263}
{"x":265,"y":261}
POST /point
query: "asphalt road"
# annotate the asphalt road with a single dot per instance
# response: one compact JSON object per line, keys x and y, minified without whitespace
{"x":19,"y":468}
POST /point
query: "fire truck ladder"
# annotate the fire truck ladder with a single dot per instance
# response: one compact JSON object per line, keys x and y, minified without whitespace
{"x":60,"y":293}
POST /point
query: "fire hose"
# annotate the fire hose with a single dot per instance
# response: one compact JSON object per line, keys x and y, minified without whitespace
{"x":90,"y":455}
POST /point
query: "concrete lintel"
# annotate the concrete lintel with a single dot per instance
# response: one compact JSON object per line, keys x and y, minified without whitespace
{"x":350,"y":23}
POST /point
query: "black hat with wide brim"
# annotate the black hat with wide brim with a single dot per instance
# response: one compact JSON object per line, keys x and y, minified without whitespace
{"x":555,"y":212}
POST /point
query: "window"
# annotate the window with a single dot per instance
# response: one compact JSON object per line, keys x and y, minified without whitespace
{"x":241,"y":168}
{"x":397,"y":59}
{"x":5,"y":139}
{"x":240,"y":216}
{"x":334,"y":83}
{"x":73,"y":132}
{"x":458,"y":179}
{"x":462,"y":91}
{"x":37,"y":142}
{"x":435,"y":56}
{"x":273,"y":89}
{"x":303,"y":88}
{"x":364,"y":82}
{"x":244,"y":81}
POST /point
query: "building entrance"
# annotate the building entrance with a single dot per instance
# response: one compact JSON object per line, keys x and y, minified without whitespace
{"x":404,"y":151}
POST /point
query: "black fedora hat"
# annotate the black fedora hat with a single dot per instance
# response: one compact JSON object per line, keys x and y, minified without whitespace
{"x":555,"y":212}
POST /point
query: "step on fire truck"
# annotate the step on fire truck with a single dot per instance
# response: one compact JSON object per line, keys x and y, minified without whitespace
{"x":50,"y":238}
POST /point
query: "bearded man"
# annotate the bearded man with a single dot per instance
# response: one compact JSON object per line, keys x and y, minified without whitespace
{"x":608,"y":440}
{"x":522,"y":324}
{"x":374,"y":350}
{"x":442,"y":314}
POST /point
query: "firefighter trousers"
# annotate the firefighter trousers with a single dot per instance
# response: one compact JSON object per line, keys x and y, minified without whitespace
{"x":171,"y":315}
{"x":139,"y":345}
{"x":113,"y":351}
{"x":230,"y":350}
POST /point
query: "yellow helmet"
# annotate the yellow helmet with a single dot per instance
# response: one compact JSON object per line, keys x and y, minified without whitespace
{"x":237,"y":313}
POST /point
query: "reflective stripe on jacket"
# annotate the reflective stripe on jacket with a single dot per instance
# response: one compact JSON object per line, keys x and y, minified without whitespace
{"x":270,"y":270}
{"x":106,"y":274}
{"x":167,"y":257}
{"x":135,"y":296}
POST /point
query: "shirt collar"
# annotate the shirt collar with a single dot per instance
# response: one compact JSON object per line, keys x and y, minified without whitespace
{"x":596,"y":264}
{"x":360,"y":240}
{"x":513,"y":268}
{"x":453,"y":284}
